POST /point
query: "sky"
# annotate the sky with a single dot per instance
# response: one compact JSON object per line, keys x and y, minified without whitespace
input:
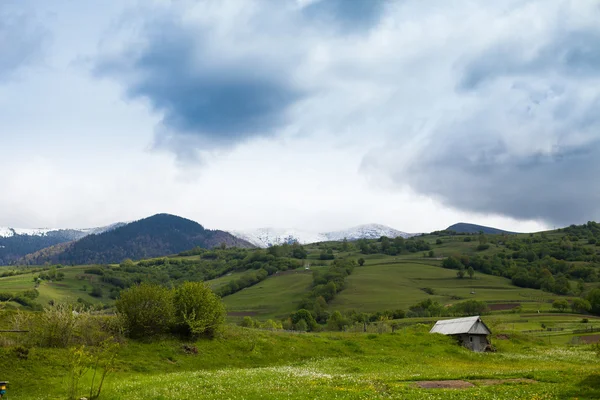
{"x":307,"y":114}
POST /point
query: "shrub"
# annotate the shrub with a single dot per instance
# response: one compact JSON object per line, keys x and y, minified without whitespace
{"x":483,"y":246}
{"x":198,"y":311}
{"x":247,"y":322}
{"x":96,"y":291}
{"x":147,"y":310}
{"x":361,"y":261}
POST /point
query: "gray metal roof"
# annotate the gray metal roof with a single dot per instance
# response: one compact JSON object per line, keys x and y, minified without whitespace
{"x":471,"y":325}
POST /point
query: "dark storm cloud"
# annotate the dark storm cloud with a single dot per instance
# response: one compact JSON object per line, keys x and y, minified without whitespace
{"x":21,"y":39}
{"x":206,"y":100}
{"x":548,"y":171}
{"x":485,"y":176}
{"x":348,"y":14}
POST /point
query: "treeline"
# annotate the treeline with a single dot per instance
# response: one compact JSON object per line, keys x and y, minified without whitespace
{"x":25,"y":298}
{"x":211,"y":264}
{"x":327,"y":283}
{"x":548,"y":274}
{"x":305,"y":320}
{"x":253,"y":277}
{"x":433,"y":308}
{"x":392,"y":247}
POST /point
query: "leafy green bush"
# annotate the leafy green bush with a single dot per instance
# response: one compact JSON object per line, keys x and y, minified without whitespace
{"x":146,"y":309}
{"x":198,"y":311}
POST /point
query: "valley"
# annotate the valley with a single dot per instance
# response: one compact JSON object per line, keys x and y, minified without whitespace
{"x":369,"y":304}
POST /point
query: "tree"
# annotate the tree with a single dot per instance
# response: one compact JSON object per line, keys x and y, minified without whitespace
{"x":247,"y":322}
{"x":345,"y":246}
{"x":460,"y":273}
{"x":147,"y":309}
{"x":127,"y":263}
{"x":438,"y":241}
{"x":580,"y":305}
{"x":306,"y":316}
{"x":431,"y":254}
{"x":361,"y":261}
{"x":301,"y":326}
{"x":452,"y":263}
{"x":471,"y":272}
{"x":594,"y":298}
{"x":298,"y":251}
{"x":560,"y":304}
{"x":198,"y":311}
{"x":336,"y":322}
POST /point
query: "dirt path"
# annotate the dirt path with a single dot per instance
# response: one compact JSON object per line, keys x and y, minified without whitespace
{"x":459,"y":384}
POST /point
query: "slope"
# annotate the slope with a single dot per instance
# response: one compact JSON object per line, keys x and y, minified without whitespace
{"x":155,"y":236}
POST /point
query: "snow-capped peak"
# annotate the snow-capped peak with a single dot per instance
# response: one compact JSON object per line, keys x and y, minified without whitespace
{"x":368,"y":231}
{"x":265,"y":237}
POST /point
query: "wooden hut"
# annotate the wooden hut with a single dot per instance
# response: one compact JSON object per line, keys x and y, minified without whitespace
{"x":471,"y":332}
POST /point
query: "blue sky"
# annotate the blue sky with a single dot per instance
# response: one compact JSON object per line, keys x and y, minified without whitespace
{"x":314,"y":114}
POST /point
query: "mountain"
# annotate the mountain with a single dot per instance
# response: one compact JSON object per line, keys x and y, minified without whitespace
{"x":16,"y":243}
{"x":266,"y":237}
{"x":462,"y":227}
{"x":155,"y":236}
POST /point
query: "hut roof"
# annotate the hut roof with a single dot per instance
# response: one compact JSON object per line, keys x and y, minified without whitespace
{"x":471,"y":325}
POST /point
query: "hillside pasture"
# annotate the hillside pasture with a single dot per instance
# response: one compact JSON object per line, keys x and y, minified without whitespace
{"x":387,"y":286}
{"x":275,"y":297}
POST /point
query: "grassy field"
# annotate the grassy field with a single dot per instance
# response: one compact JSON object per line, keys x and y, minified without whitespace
{"x":252,"y":364}
{"x":67,"y":290}
{"x":275,"y":297}
{"x":387,"y":285}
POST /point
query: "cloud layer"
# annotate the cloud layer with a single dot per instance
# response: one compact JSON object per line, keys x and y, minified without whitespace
{"x":21,"y":38}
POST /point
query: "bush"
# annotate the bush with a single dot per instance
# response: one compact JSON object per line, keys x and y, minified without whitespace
{"x":146,"y":309}
{"x":483,"y":246}
{"x":198,"y":311}
{"x":96,"y":291}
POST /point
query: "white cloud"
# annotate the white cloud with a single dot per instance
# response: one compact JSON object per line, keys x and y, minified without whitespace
{"x":393,"y":124}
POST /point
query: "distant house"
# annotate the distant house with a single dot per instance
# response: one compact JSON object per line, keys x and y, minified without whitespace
{"x":471,"y":332}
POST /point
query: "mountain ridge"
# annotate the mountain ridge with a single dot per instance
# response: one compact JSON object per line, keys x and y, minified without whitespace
{"x":155,"y":236}
{"x":464,"y":227}
{"x":16,"y":243}
{"x":266,"y":237}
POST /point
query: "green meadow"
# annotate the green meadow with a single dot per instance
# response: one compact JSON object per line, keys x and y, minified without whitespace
{"x":253,"y":364}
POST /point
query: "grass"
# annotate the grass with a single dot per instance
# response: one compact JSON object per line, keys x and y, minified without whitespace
{"x":252,"y":364}
{"x":386,"y":286}
{"x":275,"y":297}
{"x":68,"y":289}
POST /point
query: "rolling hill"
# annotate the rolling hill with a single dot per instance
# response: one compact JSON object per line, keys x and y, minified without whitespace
{"x":155,"y":236}
{"x":463,"y":227}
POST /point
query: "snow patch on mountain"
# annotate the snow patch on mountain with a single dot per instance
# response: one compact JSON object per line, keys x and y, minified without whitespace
{"x":73,"y":234}
{"x":266,"y":237}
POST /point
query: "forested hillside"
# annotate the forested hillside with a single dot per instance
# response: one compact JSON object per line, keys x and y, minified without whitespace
{"x":159,"y":235}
